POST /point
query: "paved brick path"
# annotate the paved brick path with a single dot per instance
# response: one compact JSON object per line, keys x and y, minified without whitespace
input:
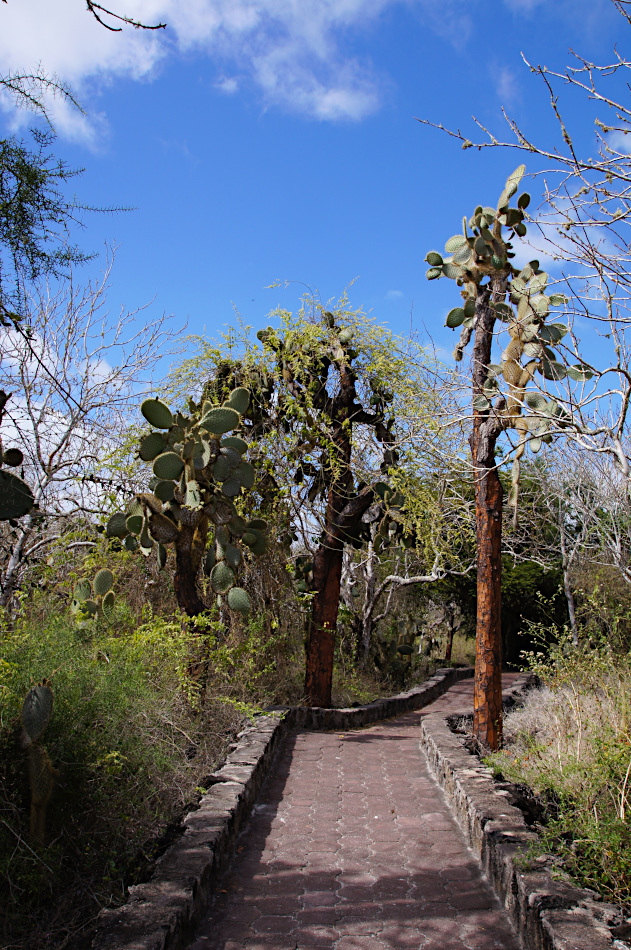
{"x":352,"y":847}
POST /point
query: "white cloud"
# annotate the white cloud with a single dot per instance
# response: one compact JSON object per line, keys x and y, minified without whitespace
{"x":507,"y":87}
{"x":394,"y":294}
{"x":294,"y":52}
{"x":229,"y":85}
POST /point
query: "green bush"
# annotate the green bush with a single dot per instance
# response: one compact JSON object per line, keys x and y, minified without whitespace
{"x":129,"y":746}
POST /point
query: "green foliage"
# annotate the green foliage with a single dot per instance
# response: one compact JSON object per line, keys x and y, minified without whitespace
{"x":34,"y":218}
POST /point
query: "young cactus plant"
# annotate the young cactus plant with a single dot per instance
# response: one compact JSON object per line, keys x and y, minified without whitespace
{"x":199,"y":470}
{"x":36,"y":712}
{"x":95,"y":599}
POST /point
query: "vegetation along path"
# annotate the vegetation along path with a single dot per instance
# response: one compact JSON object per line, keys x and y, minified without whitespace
{"x":352,"y":847}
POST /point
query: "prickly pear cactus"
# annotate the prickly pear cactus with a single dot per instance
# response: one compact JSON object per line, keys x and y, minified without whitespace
{"x":91,"y":600}
{"x":198,"y":473}
{"x":481,"y":254}
{"x":16,"y":498}
{"x":36,"y":712}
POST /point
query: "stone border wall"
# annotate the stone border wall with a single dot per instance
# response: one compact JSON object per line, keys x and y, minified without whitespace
{"x":163,"y":913}
{"x":549,"y":914}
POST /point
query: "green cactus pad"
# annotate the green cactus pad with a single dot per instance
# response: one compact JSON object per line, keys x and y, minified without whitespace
{"x":116,"y":526}
{"x":237,"y":526}
{"x":221,"y":578}
{"x":405,"y":649}
{"x":169,"y":466}
{"x":37,"y":709}
{"x":157,"y":413}
{"x":238,"y":600}
{"x":231,"y":487}
{"x":257,"y":524}
{"x":455,"y":317}
{"x":221,"y":469}
{"x":234,"y":442}
{"x":162,"y":529}
{"x":134,"y":524}
{"x":433,"y":273}
{"x":130,"y":543}
{"x":107,"y":606}
{"x":239,"y":399}
{"x":82,"y":590}
{"x":260,"y":546}
{"x":232,"y":457}
{"x":102,"y":582}
{"x":434,"y":259}
{"x":250,"y":538}
{"x":232,"y":556}
{"x":16,"y":498}
{"x":12,"y":457}
{"x":90,"y":607}
{"x":220,"y":420}
{"x":246,"y":474}
{"x":164,"y":490}
{"x":151,"y":446}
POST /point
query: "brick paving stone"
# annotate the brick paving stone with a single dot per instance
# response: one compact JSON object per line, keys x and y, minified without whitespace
{"x":352,"y":847}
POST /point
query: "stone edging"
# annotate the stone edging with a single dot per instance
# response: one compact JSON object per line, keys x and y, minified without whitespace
{"x":549,"y":914}
{"x":162,"y":914}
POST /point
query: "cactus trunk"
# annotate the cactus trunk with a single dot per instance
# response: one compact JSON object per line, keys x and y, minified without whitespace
{"x":487,"y":701}
{"x":320,"y":643}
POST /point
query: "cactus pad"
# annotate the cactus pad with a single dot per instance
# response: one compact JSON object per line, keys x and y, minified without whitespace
{"x":16,"y":498}
{"x":12,"y":457}
{"x":168,"y":466}
{"x":234,"y":442}
{"x":164,"y":490}
{"x":130,"y":543}
{"x":162,"y":557}
{"x":162,"y":529}
{"x":246,"y":475}
{"x":37,"y":710}
{"x":221,"y":469}
{"x":151,"y":446}
{"x":157,"y":413}
{"x":134,"y":524}
{"x":232,"y":556}
{"x":103,"y":582}
{"x":82,"y":590}
{"x":231,"y":487}
{"x":107,"y":606}
{"x":222,"y":578}
{"x":220,"y":420}
{"x":239,"y":399}
{"x":116,"y":526}
{"x":238,"y":600}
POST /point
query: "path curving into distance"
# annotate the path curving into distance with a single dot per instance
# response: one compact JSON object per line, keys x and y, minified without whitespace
{"x":352,"y":846}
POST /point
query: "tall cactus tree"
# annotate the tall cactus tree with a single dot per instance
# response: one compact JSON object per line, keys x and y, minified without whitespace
{"x":199,"y":471}
{"x":496,"y":293}
{"x":322,"y":397}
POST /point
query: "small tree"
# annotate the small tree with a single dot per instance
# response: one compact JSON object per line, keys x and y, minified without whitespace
{"x":74,"y":380}
{"x":480,"y":261}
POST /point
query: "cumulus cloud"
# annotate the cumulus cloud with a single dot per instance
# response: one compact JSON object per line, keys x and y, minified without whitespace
{"x":294,"y":53}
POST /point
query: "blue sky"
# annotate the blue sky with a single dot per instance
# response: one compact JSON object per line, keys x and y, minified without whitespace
{"x":264,"y":140}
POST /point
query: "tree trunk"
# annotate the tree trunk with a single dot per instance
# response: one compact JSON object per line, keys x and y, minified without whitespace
{"x":487,"y":700}
{"x":567,"y":587}
{"x":320,"y":643}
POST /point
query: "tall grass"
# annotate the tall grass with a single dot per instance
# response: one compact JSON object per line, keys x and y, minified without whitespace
{"x":571,"y":743}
